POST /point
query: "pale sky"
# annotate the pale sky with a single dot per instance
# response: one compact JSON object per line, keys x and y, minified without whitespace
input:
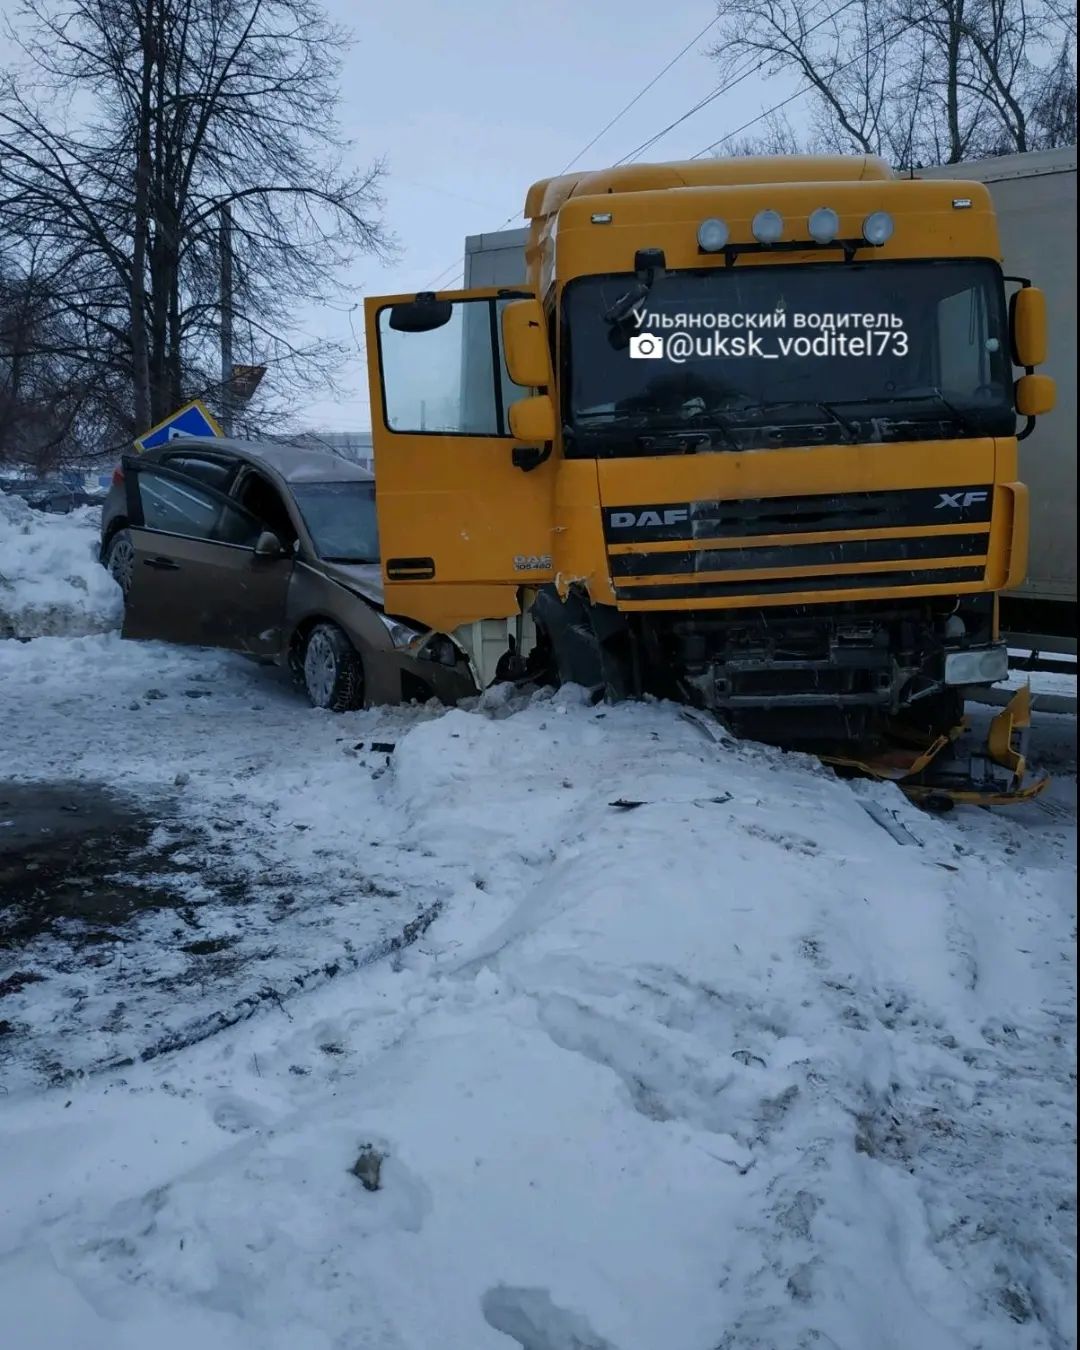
{"x":471,"y":103}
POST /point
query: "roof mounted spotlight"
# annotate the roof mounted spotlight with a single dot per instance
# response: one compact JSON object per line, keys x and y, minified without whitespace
{"x":823,"y":225}
{"x":767,"y":227}
{"x":877,"y":228}
{"x":712,"y":235}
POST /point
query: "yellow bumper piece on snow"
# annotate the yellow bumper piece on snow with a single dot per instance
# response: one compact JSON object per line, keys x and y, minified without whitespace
{"x":992,"y":777}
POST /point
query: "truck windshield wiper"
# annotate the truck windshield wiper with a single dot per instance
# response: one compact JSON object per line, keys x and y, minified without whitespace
{"x":650,"y":434}
{"x":956,"y":413}
{"x":827,"y":408}
{"x":896,"y":401}
{"x":687,"y":439}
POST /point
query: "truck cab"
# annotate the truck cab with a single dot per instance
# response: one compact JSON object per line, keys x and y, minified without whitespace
{"x":747,"y":436}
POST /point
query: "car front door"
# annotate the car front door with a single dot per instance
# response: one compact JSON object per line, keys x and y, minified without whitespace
{"x":197,"y":577}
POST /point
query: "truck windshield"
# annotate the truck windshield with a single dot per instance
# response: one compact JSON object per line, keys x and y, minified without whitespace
{"x":755,"y":356}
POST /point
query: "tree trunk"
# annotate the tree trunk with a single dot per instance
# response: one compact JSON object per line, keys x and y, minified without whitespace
{"x":140,"y":233}
{"x":952,"y":75}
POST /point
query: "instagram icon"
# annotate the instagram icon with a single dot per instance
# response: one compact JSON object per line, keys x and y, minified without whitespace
{"x":646,"y":347}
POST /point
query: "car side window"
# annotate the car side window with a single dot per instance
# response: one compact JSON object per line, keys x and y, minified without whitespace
{"x":259,"y":496}
{"x":181,"y":506}
{"x":215,"y":472}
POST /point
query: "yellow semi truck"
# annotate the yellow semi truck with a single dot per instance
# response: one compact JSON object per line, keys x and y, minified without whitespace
{"x":747,"y":437}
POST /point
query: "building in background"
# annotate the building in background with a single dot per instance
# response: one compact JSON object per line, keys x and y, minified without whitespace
{"x":354,"y":446}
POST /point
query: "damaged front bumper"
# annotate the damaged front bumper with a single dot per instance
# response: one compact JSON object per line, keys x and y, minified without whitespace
{"x":935,"y":772}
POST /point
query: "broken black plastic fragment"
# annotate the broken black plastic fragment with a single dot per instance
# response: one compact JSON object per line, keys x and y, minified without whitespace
{"x":368,"y":1167}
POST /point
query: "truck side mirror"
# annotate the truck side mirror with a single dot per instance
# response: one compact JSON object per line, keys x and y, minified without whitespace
{"x":422,"y":315}
{"x":533,"y":419}
{"x":524,"y":335}
{"x":1035,"y":394}
{"x":1027,"y":326}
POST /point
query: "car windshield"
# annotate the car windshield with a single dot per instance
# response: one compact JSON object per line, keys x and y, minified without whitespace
{"x":754,"y":356}
{"x":340,"y":517}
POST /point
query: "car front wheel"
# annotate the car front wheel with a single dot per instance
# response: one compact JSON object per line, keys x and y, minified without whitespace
{"x":333,"y":672}
{"x":120,"y":560}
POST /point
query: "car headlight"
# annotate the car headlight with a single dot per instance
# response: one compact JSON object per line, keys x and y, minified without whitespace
{"x":401,"y":634}
{"x":981,"y":665}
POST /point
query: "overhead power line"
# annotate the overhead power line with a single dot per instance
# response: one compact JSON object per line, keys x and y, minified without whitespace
{"x":751,"y":68}
{"x":744,"y":73}
{"x":433,"y":285}
{"x":641,"y":93}
{"x":806,"y":89}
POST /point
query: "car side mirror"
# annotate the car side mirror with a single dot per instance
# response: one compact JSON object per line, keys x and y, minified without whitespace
{"x":268,"y":545}
{"x":1027,"y":326}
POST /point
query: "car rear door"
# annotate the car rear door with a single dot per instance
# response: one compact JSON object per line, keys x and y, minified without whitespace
{"x":197,"y":578}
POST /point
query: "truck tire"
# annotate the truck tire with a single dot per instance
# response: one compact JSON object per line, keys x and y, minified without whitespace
{"x":333,"y":671}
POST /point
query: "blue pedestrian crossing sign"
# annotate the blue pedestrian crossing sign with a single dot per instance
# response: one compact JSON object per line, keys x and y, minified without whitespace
{"x":193,"y":419}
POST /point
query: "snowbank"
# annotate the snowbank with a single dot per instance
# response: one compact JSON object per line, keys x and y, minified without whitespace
{"x":696,"y":1057}
{"x":50,"y":579}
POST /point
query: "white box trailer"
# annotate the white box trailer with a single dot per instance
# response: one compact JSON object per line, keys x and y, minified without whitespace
{"x":1035,"y":199}
{"x":495,"y":259}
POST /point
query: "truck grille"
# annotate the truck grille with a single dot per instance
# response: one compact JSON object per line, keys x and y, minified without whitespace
{"x":724,"y":530}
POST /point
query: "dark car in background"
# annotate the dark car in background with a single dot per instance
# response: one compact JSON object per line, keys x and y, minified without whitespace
{"x":50,"y":494}
{"x":271,"y":550}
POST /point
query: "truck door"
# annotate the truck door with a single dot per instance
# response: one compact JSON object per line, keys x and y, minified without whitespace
{"x":465,"y":506}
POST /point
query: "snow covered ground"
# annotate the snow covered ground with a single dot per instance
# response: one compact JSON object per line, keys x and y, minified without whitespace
{"x":678,"y":1048}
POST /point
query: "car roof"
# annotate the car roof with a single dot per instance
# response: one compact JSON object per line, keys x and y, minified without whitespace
{"x":291,"y":462}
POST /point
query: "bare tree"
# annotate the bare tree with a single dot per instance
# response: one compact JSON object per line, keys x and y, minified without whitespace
{"x":918,"y":81}
{"x":186,"y":109}
{"x":777,"y":137}
{"x":52,"y":403}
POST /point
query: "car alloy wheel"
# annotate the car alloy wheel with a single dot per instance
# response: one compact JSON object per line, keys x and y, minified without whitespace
{"x":332,"y":669}
{"x":120,"y":560}
{"x":320,"y":668}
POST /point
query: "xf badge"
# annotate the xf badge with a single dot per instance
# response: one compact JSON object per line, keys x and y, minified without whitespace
{"x":958,"y":500}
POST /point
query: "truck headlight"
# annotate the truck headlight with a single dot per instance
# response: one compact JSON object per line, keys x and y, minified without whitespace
{"x":767,"y":227}
{"x":979,"y":665}
{"x":712,"y":235}
{"x":823,"y":225}
{"x":877,"y":228}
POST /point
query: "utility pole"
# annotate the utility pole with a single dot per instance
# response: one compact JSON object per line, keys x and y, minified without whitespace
{"x":225,"y":249}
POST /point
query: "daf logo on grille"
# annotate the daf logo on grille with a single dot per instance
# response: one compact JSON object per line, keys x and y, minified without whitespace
{"x":626,"y":520}
{"x":958,"y":500}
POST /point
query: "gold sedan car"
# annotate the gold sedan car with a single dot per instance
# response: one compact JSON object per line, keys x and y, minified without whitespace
{"x":270,"y":550}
